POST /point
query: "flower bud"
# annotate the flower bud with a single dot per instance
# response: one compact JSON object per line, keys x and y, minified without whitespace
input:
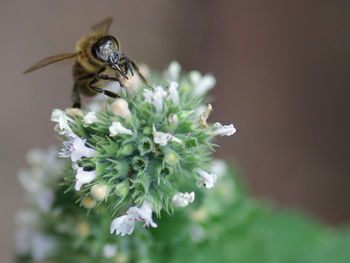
{"x":130,"y":84}
{"x":88,"y":202}
{"x":99,"y":191}
{"x":74,"y":112}
{"x":173,"y":120}
{"x":120,"y":107}
{"x":83,"y":229}
{"x":171,"y":158}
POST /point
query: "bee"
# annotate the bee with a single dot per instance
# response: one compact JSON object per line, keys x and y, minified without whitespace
{"x":97,"y":55}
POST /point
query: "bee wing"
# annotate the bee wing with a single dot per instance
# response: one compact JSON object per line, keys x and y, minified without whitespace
{"x":50,"y":60}
{"x":103,"y":26}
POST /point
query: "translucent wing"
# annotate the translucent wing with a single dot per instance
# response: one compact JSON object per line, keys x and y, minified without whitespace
{"x":50,"y":60}
{"x":103,"y":26}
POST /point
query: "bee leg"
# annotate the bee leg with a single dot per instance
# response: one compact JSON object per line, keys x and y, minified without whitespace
{"x":105,"y":77}
{"x":143,"y":79}
{"x":76,"y":96}
{"x":99,"y":90}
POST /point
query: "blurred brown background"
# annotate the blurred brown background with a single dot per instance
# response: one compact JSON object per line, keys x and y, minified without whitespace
{"x":282,"y":78}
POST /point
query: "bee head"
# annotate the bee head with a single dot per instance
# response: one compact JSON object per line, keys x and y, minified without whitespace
{"x":106,"y":50}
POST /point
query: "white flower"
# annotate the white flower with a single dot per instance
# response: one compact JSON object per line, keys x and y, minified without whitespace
{"x":120,"y":107}
{"x":173,"y":94}
{"x":183,"y":199}
{"x":90,"y":118}
{"x":122,"y":225}
{"x":208,"y":180}
{"x":222,"y":130}
{"x":197,"y":233}
{"x":83,"y":177}
{"x":218,"y":167}
{"x":162,"y":138}
{"x":76,"y":149}
{"x":125,"y":224}
{"x":42,"y":246}
{"x":45,"y":199}
{"x":201,"y":83}
{"x":155,"y":97}
{"x":174,"y":70}
{"x":117,"y":128}
{"x":109,"y":250}
{"x":62,"y":120}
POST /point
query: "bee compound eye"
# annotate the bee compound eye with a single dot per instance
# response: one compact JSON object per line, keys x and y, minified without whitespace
{"x":104,"y":48}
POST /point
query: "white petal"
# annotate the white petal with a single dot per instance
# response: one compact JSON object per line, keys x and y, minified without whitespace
{"x":83,"y":177}
{"x":162,"y":138}
{"x":218,"y":167}
{"x":173,"y":93}
{"x":76,"y":149}
{"x":183,"y":199}
{"x":144,"y":213}
{"x":174,"y":71}
{"x":42,"y":246}
{"x":155,"y":97}
{"x":222,"y":130}
{"x":90,"y":118}
{"x":208,"y":180}
{"x":109,"y":250}
{"x":122,"y":225}
{"x":201,"y":83}
{"x":80,"y":150}
{"x":45,"y":199}
{"x":62,"y":120}
{"x":117,"y":128}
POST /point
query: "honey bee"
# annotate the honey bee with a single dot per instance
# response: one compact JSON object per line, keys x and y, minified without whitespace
{"x":97,"y":55}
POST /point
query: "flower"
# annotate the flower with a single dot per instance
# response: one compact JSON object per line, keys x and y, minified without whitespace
{"x":99,"y":191}
{"x":122,"y":225}
{"x":173,"y":94}
{"x":76,"y":149}
{"x":174,"y":70}
{"x":88,"y":202}
{"x":201,"y":83}
{"x":208,"y":180}
{"x":90,"y":118}
{"x":125,"y":224}
{"x":117,"y":128}
{"x":173,"y":119}
{"x":62,"y":120}
{"x":130,"y":84}
{"x":183,"y":199}
{"x":42,"y":246}
{"x":162,"y":138}
{"x":222,"y":130}
{"x":83,"y":177}
{"x":218,"y":167}
{"x":45,"y":199}
{"x":74,"y":112}
{"x":109,"y":250}
{"x":155,"y":97}
{"x":120,"y":107}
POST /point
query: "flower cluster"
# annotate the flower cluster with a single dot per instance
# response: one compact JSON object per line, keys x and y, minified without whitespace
{"x":39,"y":183}
{"x":144,"y":152}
